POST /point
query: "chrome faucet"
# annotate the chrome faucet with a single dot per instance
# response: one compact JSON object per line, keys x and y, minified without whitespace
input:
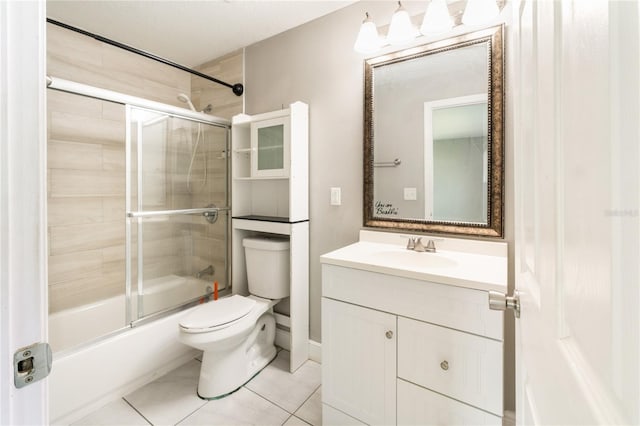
{"x":415,"y":244}
{"x":206,"y":271}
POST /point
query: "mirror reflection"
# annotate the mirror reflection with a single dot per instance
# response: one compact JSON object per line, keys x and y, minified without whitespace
{"x":456,"y":159}
{"x":430,"y":140}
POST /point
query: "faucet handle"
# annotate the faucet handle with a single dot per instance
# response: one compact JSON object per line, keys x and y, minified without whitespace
{"x":431,"y":247}
{"x":411,"y":243}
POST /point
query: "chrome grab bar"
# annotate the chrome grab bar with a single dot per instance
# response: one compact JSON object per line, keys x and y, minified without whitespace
{"x":175,"y":212}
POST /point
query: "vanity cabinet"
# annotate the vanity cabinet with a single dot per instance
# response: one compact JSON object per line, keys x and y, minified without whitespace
{"x":398,"y":350}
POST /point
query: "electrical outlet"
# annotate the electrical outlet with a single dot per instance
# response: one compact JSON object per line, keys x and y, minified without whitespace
{"x":410,"y":194}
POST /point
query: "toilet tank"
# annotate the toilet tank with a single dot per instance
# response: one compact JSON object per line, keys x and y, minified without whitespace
{"x":267,"y":266}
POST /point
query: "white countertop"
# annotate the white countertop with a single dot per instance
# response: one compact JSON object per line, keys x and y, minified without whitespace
{"x":457,"y":268}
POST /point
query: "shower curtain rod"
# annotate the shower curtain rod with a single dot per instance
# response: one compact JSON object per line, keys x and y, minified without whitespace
{"x":238,"y":88}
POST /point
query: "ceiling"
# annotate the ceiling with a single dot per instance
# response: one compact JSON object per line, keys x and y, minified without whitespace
{"x":189,"y":32}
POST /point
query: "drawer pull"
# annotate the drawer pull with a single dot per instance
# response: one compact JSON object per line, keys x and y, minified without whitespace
{"x":389,"y":334}
{"x":444,"y":365}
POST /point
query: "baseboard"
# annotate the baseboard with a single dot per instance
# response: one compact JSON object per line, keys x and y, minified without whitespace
{"x":283,"y":341}
{"x":315,"y":351}
{"x":509,"y":418}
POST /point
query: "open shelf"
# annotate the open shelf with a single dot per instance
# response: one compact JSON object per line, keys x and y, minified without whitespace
{"x":277,"y":219}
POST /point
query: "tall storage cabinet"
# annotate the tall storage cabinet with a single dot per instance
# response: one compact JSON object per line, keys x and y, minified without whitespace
{"x":270,"y":196}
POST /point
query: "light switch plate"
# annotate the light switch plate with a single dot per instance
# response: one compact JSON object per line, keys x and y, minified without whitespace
{"x":410,"y":194}
{"x":336,"y":197}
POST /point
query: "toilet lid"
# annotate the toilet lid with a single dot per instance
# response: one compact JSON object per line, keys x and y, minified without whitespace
{"x":219,"y":312}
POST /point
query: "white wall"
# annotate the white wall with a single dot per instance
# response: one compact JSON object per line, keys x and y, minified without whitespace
{"x":315,"y":63}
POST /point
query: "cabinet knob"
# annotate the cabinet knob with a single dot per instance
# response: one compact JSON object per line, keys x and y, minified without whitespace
{"x":444,"y":365}
{"x":389,"y":334}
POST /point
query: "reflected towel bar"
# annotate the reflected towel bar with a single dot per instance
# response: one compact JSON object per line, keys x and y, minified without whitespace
{"x":394,"y":163}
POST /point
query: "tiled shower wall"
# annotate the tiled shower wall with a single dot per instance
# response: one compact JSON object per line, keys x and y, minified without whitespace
{"x":224,"y":103}
{"x":85,"y":200}
{"x":208,"y":241}
{"x":86,"y":168}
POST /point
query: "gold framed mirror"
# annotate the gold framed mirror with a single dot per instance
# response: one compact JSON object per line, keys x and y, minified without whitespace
{"x":434,"y":137}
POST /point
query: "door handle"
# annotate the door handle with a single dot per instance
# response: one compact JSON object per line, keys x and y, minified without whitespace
{"x":501,"y":302}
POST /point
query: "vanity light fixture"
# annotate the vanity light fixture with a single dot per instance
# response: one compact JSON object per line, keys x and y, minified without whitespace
{"x":368,"y":40}
{"x":480,"y":11}
{"x":437,"y":20}
{"x":401,"y":29}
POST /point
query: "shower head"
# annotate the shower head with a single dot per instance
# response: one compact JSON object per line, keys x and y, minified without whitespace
{"x":184,"y":98}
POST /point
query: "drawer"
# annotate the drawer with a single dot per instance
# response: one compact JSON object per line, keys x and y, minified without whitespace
{"x":419,"y":406}
{"x":460,"y":365}
{"x":455,"y":307}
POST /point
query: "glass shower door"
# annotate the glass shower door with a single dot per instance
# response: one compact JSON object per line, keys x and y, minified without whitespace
{"x":177,"y":208}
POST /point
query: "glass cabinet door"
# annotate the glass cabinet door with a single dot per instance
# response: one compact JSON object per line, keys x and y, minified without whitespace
{"x":270,"y":148}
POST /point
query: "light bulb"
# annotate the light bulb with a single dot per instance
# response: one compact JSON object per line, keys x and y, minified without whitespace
{"x":401,"y":29}
{"x":437,"y":19}
{"x":368,"y":40}
{"x":480,"y":12}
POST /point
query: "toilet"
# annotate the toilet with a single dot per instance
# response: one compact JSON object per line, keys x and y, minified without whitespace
{"x":237,"y":333}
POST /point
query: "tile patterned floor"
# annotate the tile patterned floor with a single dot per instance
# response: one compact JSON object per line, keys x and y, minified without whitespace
{"x":273,"y":397}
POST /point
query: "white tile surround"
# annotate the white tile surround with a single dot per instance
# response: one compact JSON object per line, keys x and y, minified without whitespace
{"x":273,"y":397}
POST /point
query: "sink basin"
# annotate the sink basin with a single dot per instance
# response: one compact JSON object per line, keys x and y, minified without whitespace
{"x":472,"y":264}
{"x":413,"y":259}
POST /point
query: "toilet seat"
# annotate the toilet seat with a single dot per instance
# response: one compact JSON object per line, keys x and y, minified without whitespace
{"x":217,"y":314}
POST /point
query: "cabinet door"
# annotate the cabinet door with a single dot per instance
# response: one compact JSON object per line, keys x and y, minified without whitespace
{"x":359,"y":361}
{"x":270,"y":148}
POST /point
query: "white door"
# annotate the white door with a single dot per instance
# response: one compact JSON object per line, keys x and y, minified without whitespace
{"x":23,"y":301}
{"x":576,"y":83}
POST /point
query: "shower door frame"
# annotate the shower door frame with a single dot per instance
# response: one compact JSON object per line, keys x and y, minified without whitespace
{"x":135,"y":218}
{"x":130,"y":102}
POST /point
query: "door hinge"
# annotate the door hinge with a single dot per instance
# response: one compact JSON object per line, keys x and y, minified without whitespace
{"x":31,"y":364}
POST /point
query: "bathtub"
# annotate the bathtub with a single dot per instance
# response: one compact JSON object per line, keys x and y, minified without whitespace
{"x":89,"y":376}
{"x":76,"y":326}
